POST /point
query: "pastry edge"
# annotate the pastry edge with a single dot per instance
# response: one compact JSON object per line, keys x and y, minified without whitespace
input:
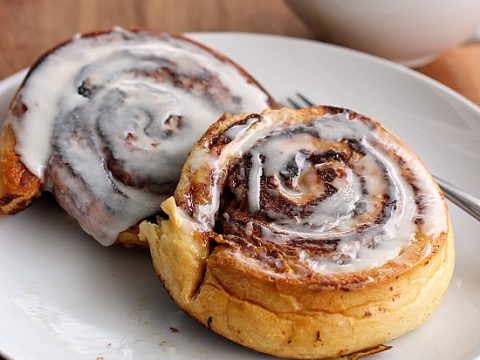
{"x":290,"y":321}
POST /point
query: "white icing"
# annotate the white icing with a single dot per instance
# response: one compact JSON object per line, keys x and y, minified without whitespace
{"x":348,"y":215}
{"x":254,"y":183}
{"x":129,"y":110}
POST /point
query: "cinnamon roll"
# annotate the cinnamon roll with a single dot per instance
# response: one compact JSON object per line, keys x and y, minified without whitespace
{"x":105,"y":122}
{"x":305,"y":234}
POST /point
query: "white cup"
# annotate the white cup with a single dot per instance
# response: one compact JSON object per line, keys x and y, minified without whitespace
{"x":412,"y":32}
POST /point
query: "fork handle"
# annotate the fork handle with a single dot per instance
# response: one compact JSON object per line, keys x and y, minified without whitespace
{"x":463,"y":200}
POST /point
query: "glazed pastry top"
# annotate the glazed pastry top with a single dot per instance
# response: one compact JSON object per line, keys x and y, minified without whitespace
{"x":120,"y":111}
{"x":328,"y":193}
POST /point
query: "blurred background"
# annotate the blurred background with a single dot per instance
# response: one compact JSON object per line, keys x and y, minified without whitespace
{"x":29,"y":27}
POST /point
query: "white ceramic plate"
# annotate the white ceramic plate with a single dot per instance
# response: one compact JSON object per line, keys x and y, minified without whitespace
{"x":64,"y":296}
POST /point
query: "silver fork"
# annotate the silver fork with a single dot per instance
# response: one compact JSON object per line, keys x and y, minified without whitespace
{"x":465,"y":201}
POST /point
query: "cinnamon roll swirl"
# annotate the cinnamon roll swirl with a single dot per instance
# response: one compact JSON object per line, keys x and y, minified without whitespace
{"x":105,"y":122}
{"x":304,"y":234}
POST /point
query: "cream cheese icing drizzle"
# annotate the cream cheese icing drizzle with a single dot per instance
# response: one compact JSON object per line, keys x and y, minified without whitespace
{"x":119,"y":111}
{"x":334,"y":184}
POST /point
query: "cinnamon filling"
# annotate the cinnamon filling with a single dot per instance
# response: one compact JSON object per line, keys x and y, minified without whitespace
{"x":309,"y":182}
{"x":320,"y":196}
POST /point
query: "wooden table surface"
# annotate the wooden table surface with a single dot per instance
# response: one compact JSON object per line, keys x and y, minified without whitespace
{"x":29,"y":27}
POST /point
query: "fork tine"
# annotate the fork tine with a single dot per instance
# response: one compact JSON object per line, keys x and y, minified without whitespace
{"x":305,"y":99}
{"x":293,"y":103}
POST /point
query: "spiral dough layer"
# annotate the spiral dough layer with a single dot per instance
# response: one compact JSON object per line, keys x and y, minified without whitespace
{"x":322,"y":194}
{"x":107,"y":120}
{"x":304,"y":234}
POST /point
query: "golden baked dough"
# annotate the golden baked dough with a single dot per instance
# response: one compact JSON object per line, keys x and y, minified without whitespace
{"x":285,"y":290}
{"x":105,"y":121}
{"x":18,"y":186}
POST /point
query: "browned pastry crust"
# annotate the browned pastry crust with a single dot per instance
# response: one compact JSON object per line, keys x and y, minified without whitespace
{"x":19,"y":187}
{"x":287,"y":313}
